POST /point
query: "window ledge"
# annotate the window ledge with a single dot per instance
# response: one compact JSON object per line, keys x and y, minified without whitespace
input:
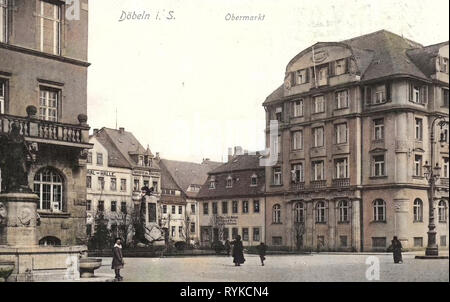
{"x":378,"y":177}
{"x":378,"y":221}
{"x":343,"y":222}
{"x":342,"y":108}
{"x":318,"y":112}
{"x":274,"y":185}
{"x":418,"y":221}
{"x":321,"y":222}
{"x":377,"y":141}
{"x":47,"y":214}
{"x":418,"y":177}
{"x":277,"y":223}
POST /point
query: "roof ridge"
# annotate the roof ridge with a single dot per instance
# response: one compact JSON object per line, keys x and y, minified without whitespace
{"x":117,"y":148}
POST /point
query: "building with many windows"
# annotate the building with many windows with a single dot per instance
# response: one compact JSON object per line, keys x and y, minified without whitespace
{"x":118,"y":167}
{"x":354,"y":121}
{"x":232,"y":202}
{"x":181,"y":182}
{"x":43,"y":89}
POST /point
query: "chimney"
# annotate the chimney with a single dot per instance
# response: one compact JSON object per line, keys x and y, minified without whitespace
{"x":95,"y":130}
{"x":157,"y":156}
{"x":230,"y":154}
{"x":121,"y":130}
{"x":238,"y":150}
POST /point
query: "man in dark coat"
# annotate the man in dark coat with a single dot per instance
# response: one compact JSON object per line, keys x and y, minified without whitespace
{"x":397,"y":250}
{"x":262,"y":252}
{"x":228,"y":247}
{"x":238,"y":251}
{"x":117,"y":262}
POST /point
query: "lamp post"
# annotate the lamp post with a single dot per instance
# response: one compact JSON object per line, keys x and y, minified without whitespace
{"x":432,"y":174}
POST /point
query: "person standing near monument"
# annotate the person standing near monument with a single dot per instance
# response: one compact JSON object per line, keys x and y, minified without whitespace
{"x":397,"y":250}
{"x":238,"y":251}
{"x":117,"y":262}
{"x":262,"y":252}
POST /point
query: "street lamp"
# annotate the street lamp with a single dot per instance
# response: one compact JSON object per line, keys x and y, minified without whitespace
{"x":432,"y":174}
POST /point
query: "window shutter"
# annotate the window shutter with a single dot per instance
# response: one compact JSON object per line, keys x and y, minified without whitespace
{"x":438,"y":63}
{"x":410,"y":91}
{"x":307,"y":75}
{"x":292,"y":78}
{"x":368,"y":95}
{"x":424,"y":94}
{"x":313,"y":76}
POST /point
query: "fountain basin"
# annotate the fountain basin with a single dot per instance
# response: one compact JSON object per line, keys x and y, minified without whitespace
{"x":88,"y":266}
{"x":6,"y":269}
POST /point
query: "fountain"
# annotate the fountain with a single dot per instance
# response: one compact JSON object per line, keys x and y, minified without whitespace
{"x":21,"y":258}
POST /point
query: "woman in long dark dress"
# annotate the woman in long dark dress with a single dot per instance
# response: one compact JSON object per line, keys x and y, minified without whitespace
{"x":117,"y":262}
{"x":238,"y":251}
{"x":397,"y":250}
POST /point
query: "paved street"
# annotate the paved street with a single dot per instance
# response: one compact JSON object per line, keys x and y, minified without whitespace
{"x":296,"y":268}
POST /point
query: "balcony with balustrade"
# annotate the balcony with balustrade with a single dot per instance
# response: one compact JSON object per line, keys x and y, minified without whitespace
{"x":443,"y":182}
{"x":318,"y":184}
{"x":47,"y":132}
{"x":341,"y":182}
{"x":297,"y":186}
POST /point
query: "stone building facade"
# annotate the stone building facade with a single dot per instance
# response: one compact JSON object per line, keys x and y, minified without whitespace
{"x":354,"y":119}
{"x":118,"y":167}
{"x":43,"y":88}
{"x":232,"y":202}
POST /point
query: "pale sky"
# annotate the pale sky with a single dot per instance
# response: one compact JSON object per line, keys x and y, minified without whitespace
{"x":193,"y":86}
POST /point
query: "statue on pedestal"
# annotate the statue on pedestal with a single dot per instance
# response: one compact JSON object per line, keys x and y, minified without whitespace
{"x":15,"y":156}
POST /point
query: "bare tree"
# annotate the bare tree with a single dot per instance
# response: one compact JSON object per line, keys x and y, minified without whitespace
{"x":217,"y":222}
{"x":299,"y":231}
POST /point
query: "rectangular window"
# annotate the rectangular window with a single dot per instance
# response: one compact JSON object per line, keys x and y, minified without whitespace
{"x":378,"y":126}
{"x":136,"y":186}
{"x":180,"y":231}
{"x":172,"y":231}
{"x":298,"y":174}
{"x":101,"y":206}
{"x":340,"y":67}
{"x":378,"y":165}
{"x":123,"y":185}
{"x":379,"y":242}
{"x":50,"y":27}
{"x":192,"y":208}
{"x":113,"y":184}
{"x":276,"y":176}
{"x":205,"y":208}
{"x":445,"y":97}
{"x":418,"y":241}
{"x":180,"y":210}
{"x":123,"y":207}
{"x":380,"y":94}
{"x":323,"y":76}
{"x":245,"y":234}
{"x":3,"y":88}
{"x":298,"y":108}
{"x":235,"y":207}
{"x":88,"y":205}
{"x":155,"y":186}
{"x":341,"y":133}
{"x":256,"y":234}
{"x":255,"y":206}
{"x":4,"y":21}
{"x":192,"y":231}
{"x":224,"y":207}
{"x":445,"y":168}
{"x":99,"y":159}
{"x":343,"y":240}
{"x":297,"y":140}
{"x":48,"y":104}
{"x":234,"y":233}
{"x":89,"y":182}
{"x":277,"y":240}
{"x":214,"y":208}
{"x":164,"y":209}
{"x":443,"y":240}
{"x":229,"y":182}
{"x":279,"y":114}
{"x":226,"y":234}
{"x":244,"y":206}
{"x":341,"y":168}
{"x":113,"y":206}
{"x":341,"y":98}
{"x":88,"y":226}
{"x":101,"y":183}
{"x":174,"y":209}
{"x":319,"y":104}
{"x":418,"y":165}
{"x":318,"y":170}
{"x":419,"y":127}
{"x":89,"y":158}
{"x":318,"y":137}
{"x":302,"y":77}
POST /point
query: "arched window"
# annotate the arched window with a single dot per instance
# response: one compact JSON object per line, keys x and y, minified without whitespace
{"x":442,"y":211}
{"x":343,"y":211}
{"x":48,"y":185}
{"x":276,"y":214}
{"x":50,"y":240}
{"x":320,"y":211}
{"x":379,"y":210}
{"x":418,"y":210}
{"x":299,"y":212}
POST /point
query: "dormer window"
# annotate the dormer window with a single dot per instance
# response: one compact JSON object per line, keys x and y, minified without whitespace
{"x":278,"y":114}
{"x":301,"y":76}
{"x":141,"y":160}
{"x":212,"y":183}
{"x":443,"y":64}
{"x":254,"y":180}
{"x":340,"y":67}
{"x":229,"y":182}
{"x":380,"y":94}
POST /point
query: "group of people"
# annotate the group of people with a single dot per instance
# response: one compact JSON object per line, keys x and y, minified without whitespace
{"x":237,"y":251}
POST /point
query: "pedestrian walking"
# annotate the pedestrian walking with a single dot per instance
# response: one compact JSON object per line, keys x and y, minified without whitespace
{"x":262,"y":252}
{"x":228,"y":247}
{"x":238,"y":251}
{"x":397,"y":250}
{"x":117,"y":262}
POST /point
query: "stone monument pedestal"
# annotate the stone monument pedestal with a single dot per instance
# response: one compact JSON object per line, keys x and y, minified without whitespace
{"x":19,"y":244}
